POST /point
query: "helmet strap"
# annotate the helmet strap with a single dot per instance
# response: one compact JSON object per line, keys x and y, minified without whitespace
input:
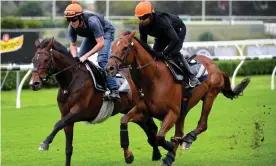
{"x":81,"y":20}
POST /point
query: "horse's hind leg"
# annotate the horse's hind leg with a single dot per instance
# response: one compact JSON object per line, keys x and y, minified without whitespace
{"x":133,"y":115}
{"x":69,"y":141}
{"x":202,"y":123}
{"x":150,"y":129}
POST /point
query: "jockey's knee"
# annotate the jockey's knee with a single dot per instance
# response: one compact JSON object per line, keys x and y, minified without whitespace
{"x":102,"y":60}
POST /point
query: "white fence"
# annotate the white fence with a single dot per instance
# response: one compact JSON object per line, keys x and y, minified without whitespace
{"x":240,"y":45}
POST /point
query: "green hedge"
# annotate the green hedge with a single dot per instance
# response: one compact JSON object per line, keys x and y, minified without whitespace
{"x":250,"y":67}
{"x":15,"y":23}
{"x":10,"y":83}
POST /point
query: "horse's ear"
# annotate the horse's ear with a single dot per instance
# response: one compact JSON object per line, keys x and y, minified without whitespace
{"x":132,"y":34}
{"x":37,"y":43}
{"x":50,"y":44}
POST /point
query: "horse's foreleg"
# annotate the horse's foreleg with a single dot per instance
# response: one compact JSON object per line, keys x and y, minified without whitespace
{"x":150,"y":129}
{"x":133,"y":115}
{"x":69,"y":143}
{"x":202,"y":123}
{"x":168,"y":122}
{"x":68,"y":119}
{"x":176,"y":140}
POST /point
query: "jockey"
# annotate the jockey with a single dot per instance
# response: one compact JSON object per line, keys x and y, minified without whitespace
{"x":98,"y":33}
{"x":169,"y":32}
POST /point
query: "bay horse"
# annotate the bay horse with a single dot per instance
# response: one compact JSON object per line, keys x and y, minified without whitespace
{"x":163,"y":96}
{"x":77,"y":97}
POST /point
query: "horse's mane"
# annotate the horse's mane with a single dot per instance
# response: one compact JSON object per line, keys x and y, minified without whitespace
{"x":143,"y":44}
{"x":56,"y":46}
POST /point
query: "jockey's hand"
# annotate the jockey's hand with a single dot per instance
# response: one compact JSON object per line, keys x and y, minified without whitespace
{"x":83,"y":58}
{"x":159,"y":55}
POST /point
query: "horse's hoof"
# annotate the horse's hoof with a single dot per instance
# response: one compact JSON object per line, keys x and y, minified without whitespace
{"x":156,"y":156}
{"x":43,"y":146}
{"x":129,"y":159}
{"x":185,"y":146}
{"x":164,"y":164}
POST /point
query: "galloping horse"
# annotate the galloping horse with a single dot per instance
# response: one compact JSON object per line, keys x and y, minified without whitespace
{"x":162,"y":95}
{"x":77,"y":98}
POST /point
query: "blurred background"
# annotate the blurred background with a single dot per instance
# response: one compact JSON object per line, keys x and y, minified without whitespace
{"x":215,"y":28}
{"x":206,"y":20}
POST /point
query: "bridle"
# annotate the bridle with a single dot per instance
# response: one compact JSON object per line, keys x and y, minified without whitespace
{"x":50,"y":68}
{"x":125,"y":56}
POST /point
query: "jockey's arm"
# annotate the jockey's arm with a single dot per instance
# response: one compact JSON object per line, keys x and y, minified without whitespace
{"x":143,"y":35}
{"x":73,"y":41}
{"x":96,"y":48}
{"x":73,"y":49}
{"x":174,"y":40}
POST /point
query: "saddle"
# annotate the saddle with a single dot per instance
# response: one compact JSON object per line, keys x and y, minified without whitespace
{"x":99,"y":78}
{"x":98,"y":75}
{"x":197,"y":68}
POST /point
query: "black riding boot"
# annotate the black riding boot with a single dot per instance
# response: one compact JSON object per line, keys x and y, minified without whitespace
{"x":114,"y":94}
{"x":193,"y":81}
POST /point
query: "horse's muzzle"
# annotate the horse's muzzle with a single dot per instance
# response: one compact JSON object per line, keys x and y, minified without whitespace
{"x":36,"y":86}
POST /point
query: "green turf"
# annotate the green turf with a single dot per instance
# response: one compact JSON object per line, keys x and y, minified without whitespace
{"x":234,"y":136}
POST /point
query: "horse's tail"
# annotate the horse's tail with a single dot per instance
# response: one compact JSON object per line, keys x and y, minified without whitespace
{"x":237,"y":91}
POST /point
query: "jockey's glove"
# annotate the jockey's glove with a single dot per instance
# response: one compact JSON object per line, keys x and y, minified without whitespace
{"x":159,"y":55}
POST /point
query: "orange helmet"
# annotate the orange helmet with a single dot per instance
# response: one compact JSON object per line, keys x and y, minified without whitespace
{"x":73,"y":10}
{"x":143,"y":8}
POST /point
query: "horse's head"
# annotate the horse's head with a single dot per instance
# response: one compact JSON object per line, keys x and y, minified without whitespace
{"x":43,"y":64}
{"x":122,"y":54}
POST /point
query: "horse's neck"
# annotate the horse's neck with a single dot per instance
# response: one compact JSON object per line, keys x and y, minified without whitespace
{"x":61,"y":63}
{"x":135,"y":74}
{"x":143,"y":59}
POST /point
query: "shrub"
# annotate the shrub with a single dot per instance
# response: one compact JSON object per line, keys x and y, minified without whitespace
{"x":250,"y":67}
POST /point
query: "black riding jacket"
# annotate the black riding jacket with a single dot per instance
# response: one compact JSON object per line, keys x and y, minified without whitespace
{"x":165,"y":27}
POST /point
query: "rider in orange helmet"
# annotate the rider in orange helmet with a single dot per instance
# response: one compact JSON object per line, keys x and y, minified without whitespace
{"x":98,"y":33}
{"x":169,"y":32}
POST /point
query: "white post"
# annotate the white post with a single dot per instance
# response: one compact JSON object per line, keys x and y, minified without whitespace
{"x":54,"y":10}
{"x":230,"y":11}
{"x":17,"y":79}
{"x":107,"y":9}
{"x":20,"y":88}
{"x":272,"y":78}
{"x":203,"y":10}
{"x":238,"y":67}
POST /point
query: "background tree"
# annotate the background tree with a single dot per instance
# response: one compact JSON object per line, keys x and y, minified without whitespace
{"x":30,"y":8}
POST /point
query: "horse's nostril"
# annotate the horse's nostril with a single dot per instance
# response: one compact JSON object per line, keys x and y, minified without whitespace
{"x":36,"y":83}
{"x":111,"y":68}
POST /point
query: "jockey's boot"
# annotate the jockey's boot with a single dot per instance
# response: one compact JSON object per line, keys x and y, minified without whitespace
{"x":114,"y":94}
{"x":193,"y":81}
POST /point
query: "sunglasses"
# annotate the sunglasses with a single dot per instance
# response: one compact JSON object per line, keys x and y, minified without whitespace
{"x":74,"y":19}
{"x":144,"y":17}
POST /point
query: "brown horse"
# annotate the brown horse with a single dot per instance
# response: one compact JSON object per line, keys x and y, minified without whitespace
{"x":78,"y":99}
{"x":163,"y":95}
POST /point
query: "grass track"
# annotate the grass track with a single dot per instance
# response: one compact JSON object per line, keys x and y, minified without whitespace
{"x":233,"y":136}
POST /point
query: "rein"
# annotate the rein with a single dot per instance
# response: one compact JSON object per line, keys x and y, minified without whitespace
{"x":125,"y":56}
{"x":50,"y":69}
